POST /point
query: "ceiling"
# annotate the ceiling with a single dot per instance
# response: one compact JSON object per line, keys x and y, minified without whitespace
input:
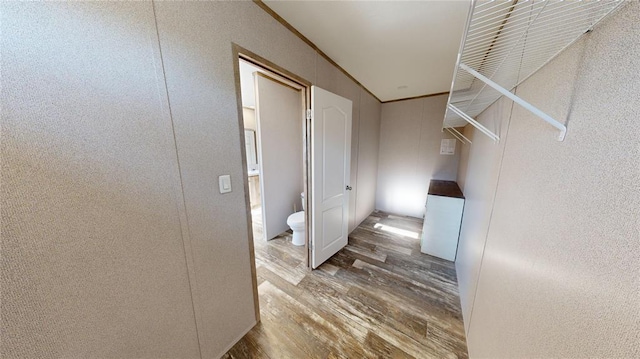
{"x":396,"y":49}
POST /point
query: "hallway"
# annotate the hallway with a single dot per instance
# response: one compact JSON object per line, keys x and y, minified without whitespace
{"x":377,"y":297}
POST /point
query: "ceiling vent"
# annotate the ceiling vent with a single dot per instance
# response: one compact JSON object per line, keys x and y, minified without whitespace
{"x":504,"y":43}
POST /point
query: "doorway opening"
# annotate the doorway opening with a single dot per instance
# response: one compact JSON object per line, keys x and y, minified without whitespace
{"x":296,"y":146}
{"x":273,"y":110}
{"x":275,"y":129}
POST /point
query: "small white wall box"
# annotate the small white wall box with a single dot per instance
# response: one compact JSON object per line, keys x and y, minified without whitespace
{"x":442,"y":220}
{"x":448,"y":146}
{"x":225,"y":183}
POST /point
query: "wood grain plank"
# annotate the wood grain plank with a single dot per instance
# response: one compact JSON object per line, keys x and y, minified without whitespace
{"x":378,"y":297}
{"x":371,"y":253}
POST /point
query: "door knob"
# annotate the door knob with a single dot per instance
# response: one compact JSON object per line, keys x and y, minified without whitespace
{"x":349,"y":188}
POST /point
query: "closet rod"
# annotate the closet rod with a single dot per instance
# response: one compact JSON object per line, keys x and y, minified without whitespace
{"x":518,"y":100}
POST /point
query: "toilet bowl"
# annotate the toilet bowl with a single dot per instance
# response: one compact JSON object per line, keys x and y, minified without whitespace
{"x":296,"y":223}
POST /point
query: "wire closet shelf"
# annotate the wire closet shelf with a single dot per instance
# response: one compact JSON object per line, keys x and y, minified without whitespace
{"x":504,"y":43}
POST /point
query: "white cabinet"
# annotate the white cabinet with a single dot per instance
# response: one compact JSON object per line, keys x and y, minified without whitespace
{"x":442,"y":220}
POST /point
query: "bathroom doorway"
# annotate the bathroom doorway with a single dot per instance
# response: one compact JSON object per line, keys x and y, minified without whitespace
{"x":275,"y":140}
{"x":274,"y":124}
{"x":278,"y":111}
{"x":302,"y":134}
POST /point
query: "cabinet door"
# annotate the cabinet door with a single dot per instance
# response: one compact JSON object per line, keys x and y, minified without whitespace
{"x":442,"y":226}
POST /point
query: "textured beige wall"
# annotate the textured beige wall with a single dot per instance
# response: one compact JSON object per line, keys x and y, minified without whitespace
{"x":559,"y":275}
{"x":93,"y":260}
{"x":365,"y":136}
{"x":409,"y":156}
{"x":463,"y":162}
{"x":368,"y":144}
{"x":478,"y":176}
{"x":196,"y":44}
{"x":332,"y":79}
{"x":110,"y":224}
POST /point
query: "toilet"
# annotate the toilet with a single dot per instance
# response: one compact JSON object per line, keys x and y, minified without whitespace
{"x":296,"y":223}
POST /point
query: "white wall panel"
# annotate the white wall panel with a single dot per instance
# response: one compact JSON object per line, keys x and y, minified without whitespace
{"x":367,"y":161}
{"x":409,"y":157}
{"x":279,"y":118}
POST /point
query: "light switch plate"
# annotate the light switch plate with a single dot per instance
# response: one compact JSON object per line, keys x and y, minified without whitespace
{"x":225,"y":183}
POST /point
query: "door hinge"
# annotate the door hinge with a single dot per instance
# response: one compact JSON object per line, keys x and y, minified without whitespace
{"x":308,"y":114}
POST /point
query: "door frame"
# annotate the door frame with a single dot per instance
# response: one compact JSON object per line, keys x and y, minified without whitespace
{"x":288,"y":78}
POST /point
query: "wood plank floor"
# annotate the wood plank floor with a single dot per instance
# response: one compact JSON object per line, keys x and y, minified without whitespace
{"x":379,"y":297}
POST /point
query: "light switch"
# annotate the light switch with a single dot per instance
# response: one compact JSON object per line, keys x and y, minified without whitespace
{"x":225,"y":183}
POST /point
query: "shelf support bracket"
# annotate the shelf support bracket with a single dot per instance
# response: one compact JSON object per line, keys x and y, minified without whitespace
{"x":473,"y":122}
{"x":516,"y":99}
{"x":460,"y":137}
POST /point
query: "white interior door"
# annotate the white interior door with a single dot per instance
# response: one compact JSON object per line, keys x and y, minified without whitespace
{"x":279,"y":116}
{"x":330,"y":171}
